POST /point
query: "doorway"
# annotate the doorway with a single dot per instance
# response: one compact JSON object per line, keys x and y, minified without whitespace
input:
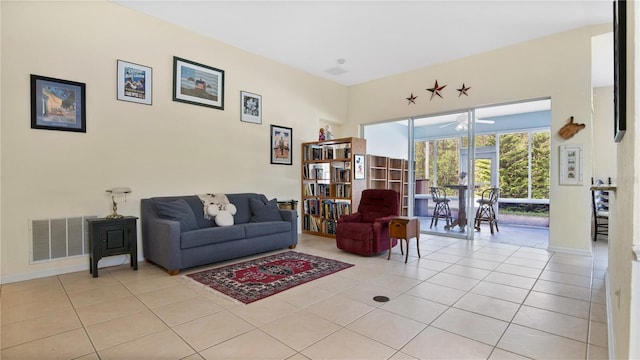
{"x":467,"y":152}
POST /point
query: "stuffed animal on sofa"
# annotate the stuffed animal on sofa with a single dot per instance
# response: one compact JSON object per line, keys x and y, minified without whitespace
{"x":218,"y":207}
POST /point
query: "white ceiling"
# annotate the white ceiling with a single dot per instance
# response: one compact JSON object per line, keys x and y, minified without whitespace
{"x":375,"y":38}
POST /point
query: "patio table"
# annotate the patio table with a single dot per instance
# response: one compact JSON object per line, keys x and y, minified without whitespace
{"x":461,"y":220}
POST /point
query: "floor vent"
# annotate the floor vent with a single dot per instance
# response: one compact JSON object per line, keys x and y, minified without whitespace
{"x":53,"y":239}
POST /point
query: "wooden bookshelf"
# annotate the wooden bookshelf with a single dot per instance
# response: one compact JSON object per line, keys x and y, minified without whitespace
{"x":390,"y":173}
{"x":377,"y":172}
{"x":329,"y":189}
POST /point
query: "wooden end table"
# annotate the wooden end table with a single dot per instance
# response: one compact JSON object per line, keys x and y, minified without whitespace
{"x":404,"y":227}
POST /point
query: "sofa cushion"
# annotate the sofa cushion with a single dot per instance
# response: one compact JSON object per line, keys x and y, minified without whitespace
{"x":241,"y":201}
{"x":196,"y":206}
{"x":266,"y":228}
{"x":177,"y":210}
{"x":264,"y":211}
{"x":212,"y":235}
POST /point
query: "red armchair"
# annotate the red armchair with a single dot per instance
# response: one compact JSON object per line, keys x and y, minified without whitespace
{"x":366,"y":232}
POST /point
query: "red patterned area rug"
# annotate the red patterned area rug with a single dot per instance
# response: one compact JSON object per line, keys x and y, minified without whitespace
{"x":257,"y":279}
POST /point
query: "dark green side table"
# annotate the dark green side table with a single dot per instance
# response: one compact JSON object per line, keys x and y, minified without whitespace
{"x":109,"y":237}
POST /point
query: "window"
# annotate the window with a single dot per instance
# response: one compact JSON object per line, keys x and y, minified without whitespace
{"x":524,"y":165}
{"x":523,"y":162}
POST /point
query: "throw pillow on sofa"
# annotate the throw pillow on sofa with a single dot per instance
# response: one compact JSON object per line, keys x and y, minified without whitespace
{"x":262,"y":211}
{"x":177,"y":210}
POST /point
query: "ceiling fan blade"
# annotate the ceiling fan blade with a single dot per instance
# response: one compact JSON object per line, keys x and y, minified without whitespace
{"x":485,"y":121}
{"x":447,"y":124}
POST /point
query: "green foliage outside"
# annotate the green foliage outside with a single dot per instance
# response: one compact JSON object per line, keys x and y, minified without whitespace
{"x":540,"y":153}
{"x":448,"y":158}
{"x":514,"y":165}
{"x":513,"y":154}
{"x":420,"y":153}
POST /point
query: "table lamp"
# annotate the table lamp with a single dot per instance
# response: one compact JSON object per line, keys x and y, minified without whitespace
{"x":117,"y":191}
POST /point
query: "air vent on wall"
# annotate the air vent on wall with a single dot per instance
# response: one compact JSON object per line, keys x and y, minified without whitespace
{"x":53,"y":239}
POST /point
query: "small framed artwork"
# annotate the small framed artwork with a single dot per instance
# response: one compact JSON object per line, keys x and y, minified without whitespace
{"x":198,"y":84}
{"x":570,"y":164}
{"x":281,"y":138}
{"x":134,"y":83}
{"x":359,"y":167}
{"x":250,"y":107}
{"x":58,"y":104}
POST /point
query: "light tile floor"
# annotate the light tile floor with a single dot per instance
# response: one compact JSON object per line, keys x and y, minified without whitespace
{"x":478,"y":300}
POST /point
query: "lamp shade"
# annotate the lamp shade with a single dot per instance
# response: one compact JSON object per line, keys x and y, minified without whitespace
{"x":119,"y":190}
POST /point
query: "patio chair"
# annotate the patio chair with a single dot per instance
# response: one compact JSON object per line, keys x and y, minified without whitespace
{"x":600,"y":210}
{"x":441,"y":209}
{"x":486,"y":210}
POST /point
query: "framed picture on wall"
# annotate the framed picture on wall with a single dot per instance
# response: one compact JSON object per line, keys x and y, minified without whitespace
{"x":571,"y":165}
{"x":281,"y":140}
{"x":359,"y":167}
{"x":198,"y":84}
{"x":250,"y":107}
{"x":134,"y":83}
{"x":58,"y":104}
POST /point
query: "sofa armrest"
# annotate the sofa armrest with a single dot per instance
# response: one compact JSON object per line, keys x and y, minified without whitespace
{"x":160,"y":238}
{"x":292,"y":217}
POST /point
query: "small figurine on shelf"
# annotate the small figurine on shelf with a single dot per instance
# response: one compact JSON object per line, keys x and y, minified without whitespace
{"x":321,"y":135}
{"x":327,"y":132}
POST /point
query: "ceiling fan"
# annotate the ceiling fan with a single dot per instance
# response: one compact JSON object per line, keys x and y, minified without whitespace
{"x":462,"y":122}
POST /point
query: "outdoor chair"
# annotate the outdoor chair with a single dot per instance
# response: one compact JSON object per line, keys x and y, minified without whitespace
{"x":366,"y":232}
{"x":486,"y":211}
{"x":441,"y":209}
{"x":600,"y":210}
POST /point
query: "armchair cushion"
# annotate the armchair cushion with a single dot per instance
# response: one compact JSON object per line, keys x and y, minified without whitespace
{"x":378,"y":203}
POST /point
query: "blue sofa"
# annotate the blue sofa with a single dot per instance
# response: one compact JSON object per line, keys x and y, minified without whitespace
{"x":175,"y":240}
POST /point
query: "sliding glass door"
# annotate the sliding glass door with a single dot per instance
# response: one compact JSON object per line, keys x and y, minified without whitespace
{"x":443,"y":175}
{"x":453,"y":160}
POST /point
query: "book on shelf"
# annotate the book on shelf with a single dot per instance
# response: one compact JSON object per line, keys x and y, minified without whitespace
{"x":343,"y":190}
{"x":312,"y":206}
{"x":334,"y":209}
{"x":327,"y":153}
{"x":342,"y":175}
{"x":312,"y":223}
{"x":313,"y":152}
{"x":342,"y":153}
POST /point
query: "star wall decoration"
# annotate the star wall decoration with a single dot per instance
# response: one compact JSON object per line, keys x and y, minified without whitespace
{"x":463,"y":90}
{"x":435,"y":90}
{"x":412,"y":99}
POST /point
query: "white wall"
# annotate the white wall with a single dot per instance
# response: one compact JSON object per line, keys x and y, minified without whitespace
{"x":623,"y":284}
{"x":557,"y":66}
{"x":387,"y":139}
{"x":605,"y":162}
{"x":169,"y":148}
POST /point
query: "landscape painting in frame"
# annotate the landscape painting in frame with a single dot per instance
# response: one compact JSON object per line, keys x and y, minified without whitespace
{"x":57,"y":104}
{"x":198,"y":84}
{"x":281,"y":138}
{"x":134,"y":83}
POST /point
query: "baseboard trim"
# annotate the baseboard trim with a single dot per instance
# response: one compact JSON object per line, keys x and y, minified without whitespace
{"x":611,"y":339}
{"x":104,"y":262}
{"x":570,"y":250}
